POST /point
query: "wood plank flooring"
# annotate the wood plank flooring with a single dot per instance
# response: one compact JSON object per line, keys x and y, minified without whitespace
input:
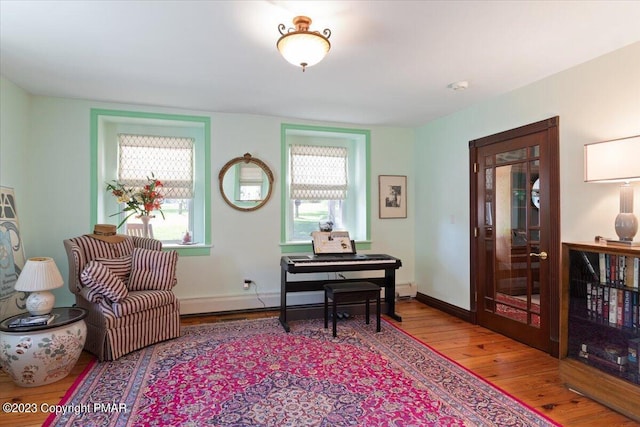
{"x":526,"y":373}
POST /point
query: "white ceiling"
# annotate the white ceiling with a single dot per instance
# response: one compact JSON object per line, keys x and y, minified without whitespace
{"x":390,"y":62}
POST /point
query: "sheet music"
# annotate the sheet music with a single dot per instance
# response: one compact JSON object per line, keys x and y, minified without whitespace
{"x":332,"y":242}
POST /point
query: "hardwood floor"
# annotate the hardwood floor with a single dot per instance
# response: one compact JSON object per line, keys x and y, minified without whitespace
{"x":526,"y":373}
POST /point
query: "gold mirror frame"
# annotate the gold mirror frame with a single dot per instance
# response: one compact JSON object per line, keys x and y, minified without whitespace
{"x":247,"y":158}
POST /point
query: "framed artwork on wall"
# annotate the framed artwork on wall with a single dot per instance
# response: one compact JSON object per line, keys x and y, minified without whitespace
{"x":11,"y":256}
{"x":392,"y":195}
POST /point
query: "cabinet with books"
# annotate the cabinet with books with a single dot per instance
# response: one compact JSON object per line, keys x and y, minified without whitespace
{"x":600,"y":319}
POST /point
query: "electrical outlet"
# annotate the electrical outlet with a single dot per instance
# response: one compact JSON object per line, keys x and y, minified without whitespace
{"x":246,"y":284}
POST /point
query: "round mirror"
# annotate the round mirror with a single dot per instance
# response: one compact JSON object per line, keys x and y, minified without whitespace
{"x":245,"y":183}
{"x":535,"y":193}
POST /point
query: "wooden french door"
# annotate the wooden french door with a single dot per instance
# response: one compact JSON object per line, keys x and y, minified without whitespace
{"x":515,"y":244}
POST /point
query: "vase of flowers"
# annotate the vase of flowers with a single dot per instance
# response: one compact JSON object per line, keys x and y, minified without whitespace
{"x":139,"y":201}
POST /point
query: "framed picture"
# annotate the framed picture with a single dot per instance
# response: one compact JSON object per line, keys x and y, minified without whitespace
{"x":12,"y":260}
{"x":392,"y":193}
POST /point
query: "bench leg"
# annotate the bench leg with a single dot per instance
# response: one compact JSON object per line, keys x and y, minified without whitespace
{"x":366,"y":310}
{"x":378,"y":313}
{"x":335,"y":317}
{"x":326,"y":311}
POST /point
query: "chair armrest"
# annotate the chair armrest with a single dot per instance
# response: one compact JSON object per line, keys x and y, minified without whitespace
{"x":146,"y":243}
{"x":76,"y":264}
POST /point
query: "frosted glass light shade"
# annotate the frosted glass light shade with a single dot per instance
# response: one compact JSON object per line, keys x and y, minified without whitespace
{"x":302,"y":47}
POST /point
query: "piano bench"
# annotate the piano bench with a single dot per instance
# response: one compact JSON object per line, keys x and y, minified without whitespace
{"x":340,"y":293}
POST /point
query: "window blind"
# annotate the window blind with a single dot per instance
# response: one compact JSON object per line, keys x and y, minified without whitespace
{"x":250,"y":173}
{"x":318,"y":172}
{"x":169,"y":158}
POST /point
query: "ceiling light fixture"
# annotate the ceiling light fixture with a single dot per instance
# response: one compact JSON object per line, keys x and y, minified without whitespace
{"x":302,"y":47}
{"x":461,"y":85}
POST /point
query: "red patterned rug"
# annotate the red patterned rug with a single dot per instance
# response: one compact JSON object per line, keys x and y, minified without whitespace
{"x":252,"y":373}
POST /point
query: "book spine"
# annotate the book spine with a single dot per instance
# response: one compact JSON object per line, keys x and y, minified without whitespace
{"x":627,"y":313}
{"x":603,"y":267}
{"x":605,"y":304}
{"x":635,"y":297}
{"x":620,"y":312}
{"x":629,"y":272}
{"x":613,"y":306}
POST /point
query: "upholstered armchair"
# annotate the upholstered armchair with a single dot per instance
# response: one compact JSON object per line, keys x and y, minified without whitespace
{"x":126,"y":286}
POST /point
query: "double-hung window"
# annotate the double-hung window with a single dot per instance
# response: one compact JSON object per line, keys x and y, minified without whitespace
{"x":326,"y":179}
{"x":131,"y":147}
{"x":170,"y":160}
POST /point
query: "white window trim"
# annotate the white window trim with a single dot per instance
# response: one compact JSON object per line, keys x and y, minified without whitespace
{"x":176,"y":125}
{"x":359,"y":192}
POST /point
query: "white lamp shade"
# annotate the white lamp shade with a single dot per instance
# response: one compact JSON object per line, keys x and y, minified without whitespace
{"x":39,"y":274}
{"x":303,"y":48}
{"x":612,"y":161}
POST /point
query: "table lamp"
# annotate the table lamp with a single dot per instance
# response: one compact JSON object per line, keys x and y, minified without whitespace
{"x":616,"y":161}
{"x":37,"y":277}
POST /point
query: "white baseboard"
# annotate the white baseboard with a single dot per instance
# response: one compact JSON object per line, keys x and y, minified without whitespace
{"x":249,"y":300}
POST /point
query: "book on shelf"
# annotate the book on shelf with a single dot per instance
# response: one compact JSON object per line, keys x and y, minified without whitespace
{"x":602,"y":362}
{"x":39,"y":320}
{"x":627,"y":314}
{"x":635,"y":310}
{"x":613,"y":306}
{"x":618,"y":307}
{"x":633,"y":351}
{"x":610,"y":352}
{"x":618,"y":270}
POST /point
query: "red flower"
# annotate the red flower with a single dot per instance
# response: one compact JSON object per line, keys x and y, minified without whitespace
{"x":138,"y":201}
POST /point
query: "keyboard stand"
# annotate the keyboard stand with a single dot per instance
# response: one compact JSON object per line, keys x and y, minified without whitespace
{"x":289,"y":268}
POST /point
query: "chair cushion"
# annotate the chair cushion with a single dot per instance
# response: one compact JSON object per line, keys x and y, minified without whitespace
{"x":101,"y":279}
{"x":138,"y":301}
{"x":152,"y":270}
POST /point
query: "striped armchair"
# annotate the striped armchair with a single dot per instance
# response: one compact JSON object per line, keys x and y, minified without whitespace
{"x":126,"y":288}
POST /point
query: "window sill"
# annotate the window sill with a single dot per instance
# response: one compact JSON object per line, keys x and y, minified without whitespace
{"x":197,"y":249}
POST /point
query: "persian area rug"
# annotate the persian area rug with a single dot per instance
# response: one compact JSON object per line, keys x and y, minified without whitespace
{"x":252,"y":373}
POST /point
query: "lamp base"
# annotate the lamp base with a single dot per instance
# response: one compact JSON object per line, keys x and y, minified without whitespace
{"x":626,"y":225}
{"x":40,"y":303}
{"x":627,"y":243}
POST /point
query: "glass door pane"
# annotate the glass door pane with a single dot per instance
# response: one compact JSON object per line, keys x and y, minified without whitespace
{"x":509,"y":202}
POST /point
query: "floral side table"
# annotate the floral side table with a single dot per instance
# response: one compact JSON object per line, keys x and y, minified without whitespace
{"x":38,"y":355}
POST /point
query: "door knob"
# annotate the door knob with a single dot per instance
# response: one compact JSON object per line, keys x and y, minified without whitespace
{"x":541,"y":255}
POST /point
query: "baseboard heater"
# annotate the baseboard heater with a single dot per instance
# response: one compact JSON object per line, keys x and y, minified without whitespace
{"x":406,"y":290}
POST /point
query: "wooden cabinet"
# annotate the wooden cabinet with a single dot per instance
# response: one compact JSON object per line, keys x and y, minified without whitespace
{"x":599,"y":324}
